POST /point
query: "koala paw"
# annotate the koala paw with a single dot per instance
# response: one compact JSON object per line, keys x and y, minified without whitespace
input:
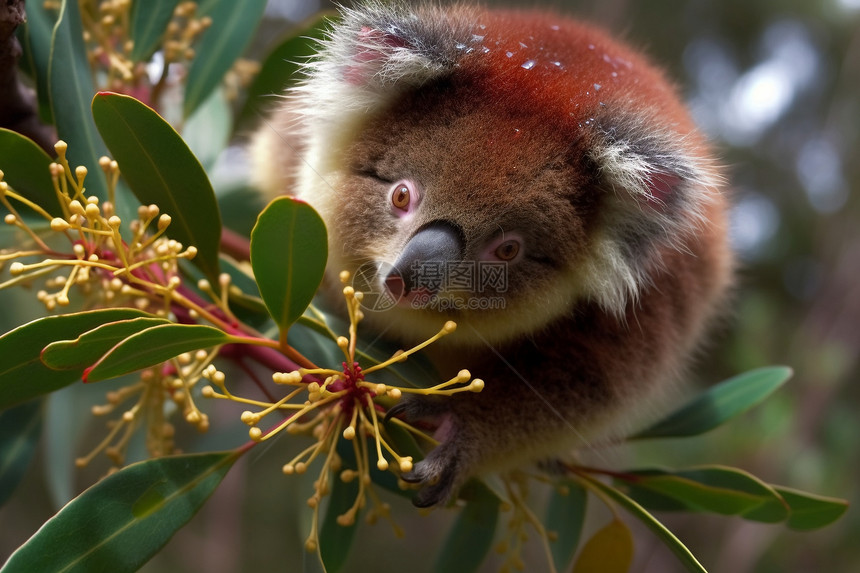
{"x":439,"y":473}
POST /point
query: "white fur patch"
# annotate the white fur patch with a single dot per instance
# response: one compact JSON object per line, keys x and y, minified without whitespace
{"x":639,"y":225}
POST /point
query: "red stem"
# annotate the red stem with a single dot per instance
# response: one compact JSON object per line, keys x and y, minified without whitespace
{"x":235,"y":245}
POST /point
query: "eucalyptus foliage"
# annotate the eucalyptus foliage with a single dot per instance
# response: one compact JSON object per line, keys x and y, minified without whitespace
{"x":124,"y":519}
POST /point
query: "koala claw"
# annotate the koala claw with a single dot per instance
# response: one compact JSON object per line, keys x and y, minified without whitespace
{"x":395,"y":411}
{"x":413,"y":409}
{"x":438,"y":473}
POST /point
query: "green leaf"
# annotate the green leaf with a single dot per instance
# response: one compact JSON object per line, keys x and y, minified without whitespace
{"x":417,"y":371}
{"x":160,"y":169}
{"x":149,"y":21}
{"x":288,"y":255}
{"x":280,"y":67}
{"x":565,"y":516}
{"x":207,"y":131}
{"x":71,"y":88}
{"x":720,"y":403}
{"x":384,"y":479}
{"x":92,"y":345}
{"x":233,"y":26}
{"x":122,"y":521}
{"x":471,"y":538}
{"x":25,"y":169}
{"x":154,"y":346}
{"x":240,"y":205}
{"x":651,"y":500}
{"x":20,"y":428}
{"x":715,"y":489}
{"x":22,"y":374}
{"x":65,"y":428}
{"x":402,"y":440}
{"x":35,"y":35}
{"x":680,"y":551}
{"x":809,"y":511}
{"x":610,"y":550}
{"x":336,"y":540}
{"x":313,"y":344}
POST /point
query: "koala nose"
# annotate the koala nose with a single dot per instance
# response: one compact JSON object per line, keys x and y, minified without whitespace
{"x":424,"y":258}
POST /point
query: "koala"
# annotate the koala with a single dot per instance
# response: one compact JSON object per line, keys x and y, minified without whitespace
{"x":557,"y":166}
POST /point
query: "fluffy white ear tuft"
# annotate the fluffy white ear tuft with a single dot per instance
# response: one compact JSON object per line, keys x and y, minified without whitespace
{"x":370,"y":57}
{"x":657,"y":190}
{"x":390,"y":45}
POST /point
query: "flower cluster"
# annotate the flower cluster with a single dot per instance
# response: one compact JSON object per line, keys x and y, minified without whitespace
{"x":171,"y":382}
{"x":331,"y":405}
{"x":140,"y":270}
{"x":522,"y":517}
{"x":110,"y":47}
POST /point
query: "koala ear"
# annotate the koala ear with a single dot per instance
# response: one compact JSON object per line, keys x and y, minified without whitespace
{"x":374,"y":50}
{"x":656,"y":189}
{"x":659,"y":186}
{"x":391,"y":43}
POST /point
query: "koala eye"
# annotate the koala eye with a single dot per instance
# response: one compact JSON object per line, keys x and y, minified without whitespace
{"x":508,"y":250}
{"x":403,"y":197}
{"x":507,"y":247}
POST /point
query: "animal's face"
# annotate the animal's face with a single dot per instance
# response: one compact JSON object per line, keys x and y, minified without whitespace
{"x":510,"y":171}
{"x":464,"y":213}
{"x":491,"y":171}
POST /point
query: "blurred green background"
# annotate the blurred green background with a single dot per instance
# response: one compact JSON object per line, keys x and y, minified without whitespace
{"x":774,"y":83}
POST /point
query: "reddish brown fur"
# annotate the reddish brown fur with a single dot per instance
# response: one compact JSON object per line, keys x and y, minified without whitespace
{"x":567,"y":93}
{"x":499,"y":147}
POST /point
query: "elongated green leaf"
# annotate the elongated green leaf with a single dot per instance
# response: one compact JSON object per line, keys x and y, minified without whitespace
{"x":65,"y":428}
{"x":417,"y":371}
{"x":280,"y":68}
{"x":651,"y":500}
{"x":207,"y":130}
{"x":233,"y":26}
{"x":312,"y":563}
{"x":313,"y":344}
{"x":288,"y":254}
{"x":35,"y":37}
{"x":716,"y":489}
{"x":720,"y":403}
{"x":25,"y":169}
{"x":92,"y":345}
{"x":336,"y":540}
{"x":20,"y":428}
{"x":683,"y":554}
{"x":471,"y":538}
{"x":610,"y":550}
{"x":240,"y":204}
{"x":565,"y":516}
{"x":402,"y":440}
{"x":809,"y":511}
{"x":153,"y":346}
{"x":149,"y":21}
{"x":160,"y":169}
{"x":122,"y":521}
{"x":384,"y":479}
{"x":71,"y":87}
{"x":22,"y":374}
